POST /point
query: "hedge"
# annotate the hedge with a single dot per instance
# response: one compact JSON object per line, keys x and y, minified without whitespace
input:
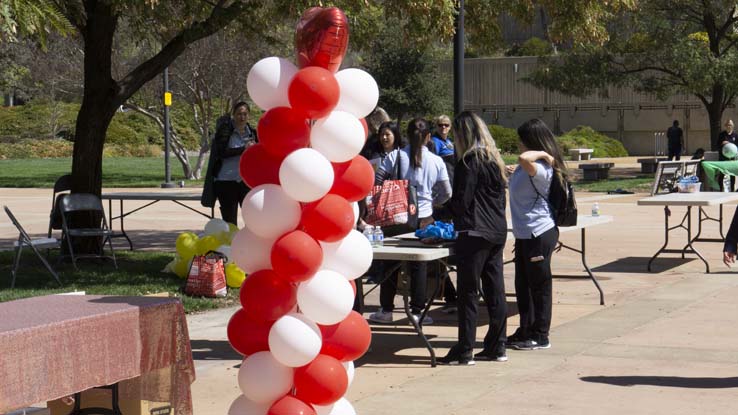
{"x":56,"y":148}
{"x":586,"y":137}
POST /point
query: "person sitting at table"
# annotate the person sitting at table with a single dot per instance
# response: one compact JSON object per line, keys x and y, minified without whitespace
{"x":428,"y":174}
{"x":535,"y":231}
{"x":478,"y":208}
{"x":223,"y":181}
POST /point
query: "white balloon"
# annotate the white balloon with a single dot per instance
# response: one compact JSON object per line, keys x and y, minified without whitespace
{"x":355,"y":207}
{"x":263,"y":379}
{"x":326,"y":298}
{"x":243,"y":406}
{"x":339,"y":136}
{"x":295,"y":340}
{"x":340,"y":407}
{"x":306,"y":175}
{"x":270,"y":212}
{"x":359,"y":92}
{"x":268,"y":81}
{"x":350,"y":370}
{"x":251,"y":252}
{"x":350,"y":257}
{"x":216,"y":225}
{"x":227,"y":251}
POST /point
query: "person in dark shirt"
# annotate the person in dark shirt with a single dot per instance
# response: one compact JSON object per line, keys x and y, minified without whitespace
{"x":727,"y":136}
{"x":676,"y":141}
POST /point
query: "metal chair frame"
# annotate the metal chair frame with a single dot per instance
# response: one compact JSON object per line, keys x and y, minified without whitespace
{"x":85,"y":202}
{"x":62,"y":184}
{"x":25,"y":240}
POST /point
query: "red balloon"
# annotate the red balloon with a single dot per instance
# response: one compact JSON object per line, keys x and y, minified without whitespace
{"x":266,"y":297}
{"x":347,"y":340}
{"x":322,"y":381}
{"x":246,"y":335}
{"x":289,"y":405}
{"x":314,"y":92}
{"x":282,"y":130}
{"x":296,"y":256}
{"x":353,"y":179}
{"x":321,"y":38}
{"x":258,"y":166}
{"x":366,"y":127}
{"x":329,"y":219}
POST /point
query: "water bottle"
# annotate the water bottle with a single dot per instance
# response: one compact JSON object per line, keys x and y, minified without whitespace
{"x":369,"y":233}
{"x":726,"y":183}
{"x":595,"y":209}
{"x":378,"y":236}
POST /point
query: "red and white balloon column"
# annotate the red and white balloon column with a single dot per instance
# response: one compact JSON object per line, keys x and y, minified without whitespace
{"x":296,"y":328}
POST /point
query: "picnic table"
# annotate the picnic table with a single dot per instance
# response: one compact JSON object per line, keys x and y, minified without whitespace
{"x":152,"y":197}
{"x":57,"y":345}
{"x":690,"y":200}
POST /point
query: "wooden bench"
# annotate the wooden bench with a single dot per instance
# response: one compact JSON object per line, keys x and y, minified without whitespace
{"x":648,"y":165}
{"x":581,"y":153}
{"x":596,"y":171}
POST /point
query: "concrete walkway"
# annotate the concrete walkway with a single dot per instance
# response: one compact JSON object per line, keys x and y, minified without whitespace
{"x":665,"y":343}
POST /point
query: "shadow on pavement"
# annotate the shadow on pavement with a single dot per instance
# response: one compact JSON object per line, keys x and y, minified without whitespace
{"x":666,"y":381}
{"x":213,"y":350}
{"x":639,"y":264}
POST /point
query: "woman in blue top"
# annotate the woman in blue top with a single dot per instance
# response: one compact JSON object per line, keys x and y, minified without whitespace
{"x":427,"y":173}
{"x":536,"y":234}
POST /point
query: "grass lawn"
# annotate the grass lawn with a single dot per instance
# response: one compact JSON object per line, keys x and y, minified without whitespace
{"x":117,"y":172}
{"x":138,"y":273}
{"x":637,"y":185}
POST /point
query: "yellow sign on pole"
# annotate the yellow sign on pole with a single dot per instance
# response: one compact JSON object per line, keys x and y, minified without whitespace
{"x":168,"y":99}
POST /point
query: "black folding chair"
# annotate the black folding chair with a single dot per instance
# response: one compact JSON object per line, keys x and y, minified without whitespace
{"x":62,"y":184}
{"x":77,"y":204}
{"x":34,"y":243}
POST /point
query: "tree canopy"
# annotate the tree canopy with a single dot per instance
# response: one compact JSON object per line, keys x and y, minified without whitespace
{"x":662,"y":47}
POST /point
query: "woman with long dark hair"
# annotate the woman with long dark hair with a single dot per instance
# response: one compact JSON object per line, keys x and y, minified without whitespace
{"x":535,"y":231}
{"x":478,"y":208}
{"x":427,"y":173}
{"x":233,"y":135}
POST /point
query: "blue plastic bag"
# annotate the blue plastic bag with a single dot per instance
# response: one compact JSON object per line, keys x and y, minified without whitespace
{"x":437,"y":230}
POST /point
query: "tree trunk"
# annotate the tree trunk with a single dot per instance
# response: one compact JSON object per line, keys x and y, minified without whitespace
{"x":715,"y":115}
{"x":98,"y":101}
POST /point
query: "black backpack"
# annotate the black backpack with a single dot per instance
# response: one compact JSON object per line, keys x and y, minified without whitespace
{"x":562,"y":202}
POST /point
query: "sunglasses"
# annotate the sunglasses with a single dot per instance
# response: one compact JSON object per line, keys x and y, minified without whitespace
{"x":444,"y":125}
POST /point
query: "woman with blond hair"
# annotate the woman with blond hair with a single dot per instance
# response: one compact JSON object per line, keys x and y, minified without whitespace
{"x":478,"y":208}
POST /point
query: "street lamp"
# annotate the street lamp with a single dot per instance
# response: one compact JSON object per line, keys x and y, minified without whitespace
{"x":167,"y":103}
{"x":459,"y":60}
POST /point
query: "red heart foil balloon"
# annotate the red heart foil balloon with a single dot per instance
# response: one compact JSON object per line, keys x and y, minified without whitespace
{"x":321,"y":38}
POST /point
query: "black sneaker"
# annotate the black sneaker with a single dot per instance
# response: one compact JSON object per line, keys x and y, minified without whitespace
{"x":515,"y":339}
{"x":531,"y":344}
{"x":455,"y":358}
{"x":495,"y":355}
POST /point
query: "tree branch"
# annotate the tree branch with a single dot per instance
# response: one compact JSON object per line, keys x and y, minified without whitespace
{"x":74,"y":12}
{"x":220,"y":17}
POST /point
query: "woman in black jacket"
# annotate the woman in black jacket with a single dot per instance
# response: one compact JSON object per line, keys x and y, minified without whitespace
{"x":223,"y":179}
{"x":478,"y":208}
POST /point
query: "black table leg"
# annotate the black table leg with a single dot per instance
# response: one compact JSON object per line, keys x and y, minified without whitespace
{"x":689,"y":248}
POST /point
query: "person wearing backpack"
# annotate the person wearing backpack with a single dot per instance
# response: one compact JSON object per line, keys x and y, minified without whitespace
{"x":535,"y":231}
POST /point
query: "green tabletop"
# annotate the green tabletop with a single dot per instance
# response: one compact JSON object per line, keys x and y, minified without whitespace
{"x":712,"y":168}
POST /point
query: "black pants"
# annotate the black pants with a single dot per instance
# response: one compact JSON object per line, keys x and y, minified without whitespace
{"x":675,"y":152}
{"x":480,"y":261}
{"x":533,"y":283}
{"x":230,"y":194}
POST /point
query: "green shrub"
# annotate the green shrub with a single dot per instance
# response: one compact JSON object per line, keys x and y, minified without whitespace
{"x":534,"y":46}
{"x":506,"y":138}
{"x":58,"y":148}
{"x":586,"y":137}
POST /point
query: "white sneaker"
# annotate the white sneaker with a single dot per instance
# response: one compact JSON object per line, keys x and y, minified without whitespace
{"x":381,"y":317}
{"x":426,"y":321}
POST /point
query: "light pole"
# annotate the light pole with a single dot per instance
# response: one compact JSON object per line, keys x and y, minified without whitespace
{"x":459,"y":60}
{"x":167,"y":103}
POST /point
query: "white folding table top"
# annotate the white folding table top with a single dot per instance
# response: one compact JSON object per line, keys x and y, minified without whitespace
{"x":160,"y":195}
{"x":393,"y":252}
{"x":690,"y":199}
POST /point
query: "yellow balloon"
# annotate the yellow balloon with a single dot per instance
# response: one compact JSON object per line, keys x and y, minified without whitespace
{"x":205,"y":244}
{"x":234,"y":275}
{"x":233,"y":228}
{"x":181,"y":267}
{"x":186,"y":245}
{"x":223,"y":237}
